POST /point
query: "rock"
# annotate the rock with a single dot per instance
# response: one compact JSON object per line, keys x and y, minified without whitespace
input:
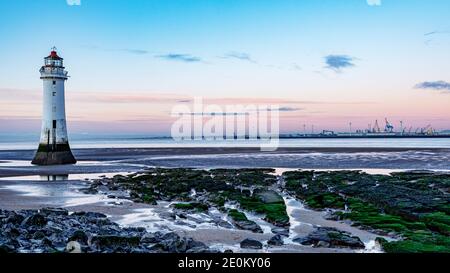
{"x":6,"y":248}
{"x":53,"y":227}
{"x":332,"y":238}
{"x":181,"y":214}
{"x":276,"y":240}
{"x":171,"y":246}
{"x":39,"y":235}
{"x":79,"y":236}
{"x":151,"y":238}
{"x":168,"y":215}
{"x":223,"y":223}
{"x":14,"y":219}
{"x":182,"y":223}
{"x":246,"y":192}
{"x":191,"y":243}
{"x":103,"y":188}
{"x":114,"y":241}
{"x":333,"y":217}
{"x":251,"y":244}
{"x":197,"y":220}
{"x":323,"y":244}
{"x":199,"y":250}
{"x":52,"y":230}
{"x":47,"y":242}
{"x":35,"y":220}
{"x":300,"y":240}
{"x":280,"y":231}
{"x":170,"y":236}
{"x":136,"y":229}
{"x":269,"y":197}
{"x":103,"y":222}
{"x":11,"y":232}
{"x":95,"y":215}
{"x":171,"y":242}
{"x":54,"y":211}
{"x":248,"y":225}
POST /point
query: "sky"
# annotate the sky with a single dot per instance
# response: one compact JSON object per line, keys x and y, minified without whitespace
{"x":326,"y":63}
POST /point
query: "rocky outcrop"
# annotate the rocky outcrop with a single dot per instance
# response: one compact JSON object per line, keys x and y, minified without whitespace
{"x":240,"y":221}
{"x":248,"y":225}
{"x":280,"y":231}
{"x":411,"y":206}
{"x":269,"y":197}
{"x":330,"y":238}
{"x":251,"y":244}
{"x":276,"y":240}
{"x":52,"y":230}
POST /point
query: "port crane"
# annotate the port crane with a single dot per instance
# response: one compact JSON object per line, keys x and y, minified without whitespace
{"x":376,"y":128}
{"x":428,"y":130}
{"x":389,"y":128}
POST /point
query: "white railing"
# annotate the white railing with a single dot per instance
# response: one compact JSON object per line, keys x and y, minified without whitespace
{"x":53,"y":71}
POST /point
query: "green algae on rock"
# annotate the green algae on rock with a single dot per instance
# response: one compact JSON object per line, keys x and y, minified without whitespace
{"x":412,"y":205}
{"x":249,"y":188}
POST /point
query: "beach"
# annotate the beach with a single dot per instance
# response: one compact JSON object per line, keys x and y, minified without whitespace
{"x":34,"y":193}
{"x":24,"y":186}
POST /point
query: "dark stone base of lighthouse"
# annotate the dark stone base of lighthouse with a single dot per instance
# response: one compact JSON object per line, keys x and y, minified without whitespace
{"x":58,"y":154}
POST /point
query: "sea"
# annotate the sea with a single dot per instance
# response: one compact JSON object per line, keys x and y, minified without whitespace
{"x":26,"y":141}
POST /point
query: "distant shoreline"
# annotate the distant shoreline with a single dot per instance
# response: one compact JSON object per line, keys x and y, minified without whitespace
{"x":101,"y":153}
{"x":362,"y":136}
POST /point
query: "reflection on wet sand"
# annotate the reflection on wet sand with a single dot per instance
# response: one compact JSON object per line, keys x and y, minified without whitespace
{"x":61,"y":177}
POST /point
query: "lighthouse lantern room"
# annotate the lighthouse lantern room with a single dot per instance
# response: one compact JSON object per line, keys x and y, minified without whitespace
{"x":54,"y":146}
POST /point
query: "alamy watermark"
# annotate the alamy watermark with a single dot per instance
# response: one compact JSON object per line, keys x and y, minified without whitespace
{"x":230,"y":125}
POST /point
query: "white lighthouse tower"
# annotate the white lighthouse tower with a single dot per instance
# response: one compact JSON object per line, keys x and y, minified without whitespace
{"x":54,"y":146}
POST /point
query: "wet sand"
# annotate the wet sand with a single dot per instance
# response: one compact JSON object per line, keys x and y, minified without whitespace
{"x":28,"y":194}
{"x":19,"y":192}
{"x":107,"y":154}
{"x":17,"y":163}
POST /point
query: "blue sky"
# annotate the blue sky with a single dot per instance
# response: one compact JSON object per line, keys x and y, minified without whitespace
{"x":345,"y":60}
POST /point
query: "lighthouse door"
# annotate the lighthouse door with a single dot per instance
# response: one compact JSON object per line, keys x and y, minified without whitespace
{"x":54,"y":135}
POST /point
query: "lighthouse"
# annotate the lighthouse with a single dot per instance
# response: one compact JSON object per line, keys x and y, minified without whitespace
{"x":54,"y":146}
